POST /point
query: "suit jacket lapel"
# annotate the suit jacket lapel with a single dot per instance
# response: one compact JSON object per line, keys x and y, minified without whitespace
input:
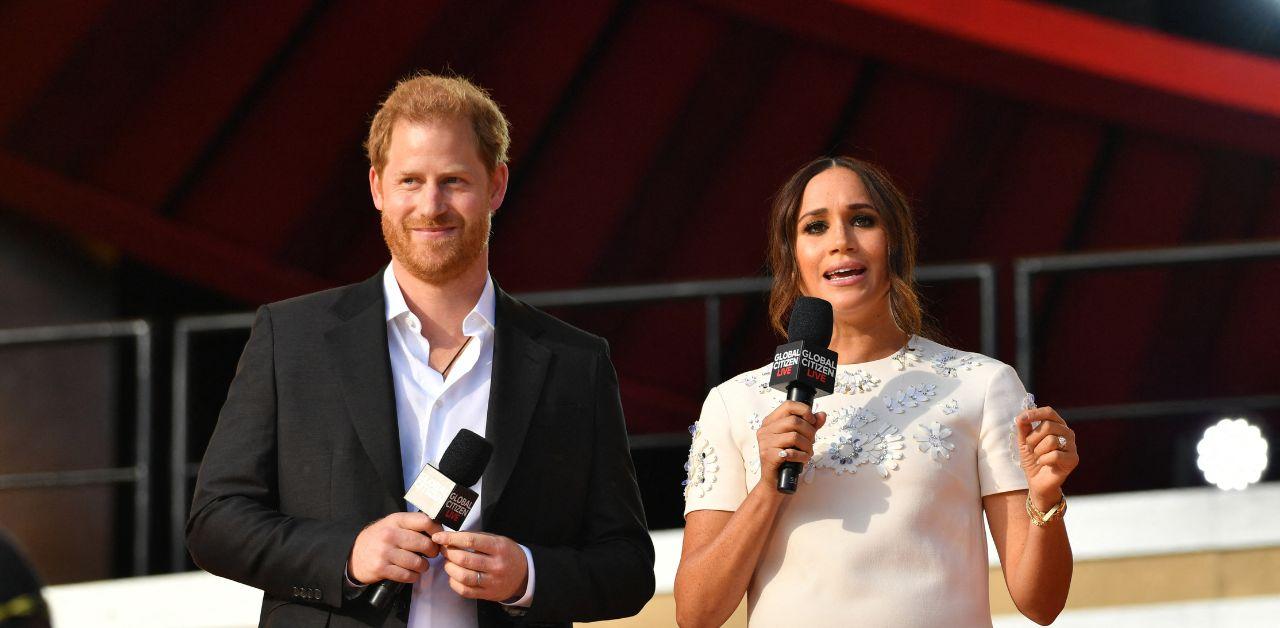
{"x":359,"y":347}
{"x":519,"y":368}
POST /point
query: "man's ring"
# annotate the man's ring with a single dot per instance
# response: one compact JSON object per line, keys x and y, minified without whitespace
{"x":1062,"y":443}
{"x":479,"y":577}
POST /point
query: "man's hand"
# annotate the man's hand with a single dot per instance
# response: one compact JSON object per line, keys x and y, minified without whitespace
{"x":484,"y":566}
{"x":392,"y":548}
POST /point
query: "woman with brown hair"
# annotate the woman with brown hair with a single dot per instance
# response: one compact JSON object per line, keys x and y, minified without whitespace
{"x":901,"y":461}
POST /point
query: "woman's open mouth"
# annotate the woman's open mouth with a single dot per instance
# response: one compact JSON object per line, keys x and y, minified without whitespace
{"x":845,"y":275}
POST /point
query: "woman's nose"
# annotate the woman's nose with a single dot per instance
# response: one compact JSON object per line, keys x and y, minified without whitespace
{"x":842,"y":239}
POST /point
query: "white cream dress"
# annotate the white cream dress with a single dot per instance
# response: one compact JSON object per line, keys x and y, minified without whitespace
{"x":886,"y":528}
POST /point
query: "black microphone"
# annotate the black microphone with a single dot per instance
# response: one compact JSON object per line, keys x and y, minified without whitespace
{"x":804,"y":367}
{"x":444,"y":494}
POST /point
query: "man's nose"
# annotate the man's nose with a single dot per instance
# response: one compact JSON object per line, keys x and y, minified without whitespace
{"x":433,"y":202}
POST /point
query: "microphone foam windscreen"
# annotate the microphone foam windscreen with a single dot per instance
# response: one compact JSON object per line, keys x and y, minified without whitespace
{"x":811,"y":321}
{"x":466,"y":457}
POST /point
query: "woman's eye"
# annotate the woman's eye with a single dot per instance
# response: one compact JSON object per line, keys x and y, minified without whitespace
{"x":864,"y":220}
{"x":815,"y":227}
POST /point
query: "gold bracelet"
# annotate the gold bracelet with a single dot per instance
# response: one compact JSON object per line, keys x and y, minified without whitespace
{"x":1041,"y":518}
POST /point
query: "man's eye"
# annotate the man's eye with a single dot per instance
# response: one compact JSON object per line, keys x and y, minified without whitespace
{"x":408,"y":181}
{"x":816,"y":226}
{"x":452,"y":180}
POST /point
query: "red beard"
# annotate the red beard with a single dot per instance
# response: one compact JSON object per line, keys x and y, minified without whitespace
{"x":436,"y":262}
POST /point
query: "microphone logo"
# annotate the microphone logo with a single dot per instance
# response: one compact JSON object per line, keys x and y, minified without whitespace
{"x":456,"y":508}
{"x":802,"y":363}
{"x":445,"y":502}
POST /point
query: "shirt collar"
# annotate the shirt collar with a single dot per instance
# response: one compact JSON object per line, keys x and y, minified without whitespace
{"x":481,"y":317}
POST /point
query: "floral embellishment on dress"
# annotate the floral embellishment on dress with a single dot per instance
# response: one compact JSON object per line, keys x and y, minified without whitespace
{"x":911,"y":397}
{"x":858,"y":381}
{"x":753,"y":462}
{"x":933,"y":441}
{"x":852,"y":446}
{"x":757,"y":381}
{"x":888,"y":456}
{"x":908,"y":355}
{"x":947,"y":362}
{"x":702,"y":465}
{"x":941,"y":363}
{"x":849,"y":450}
{"x":849,"y":418}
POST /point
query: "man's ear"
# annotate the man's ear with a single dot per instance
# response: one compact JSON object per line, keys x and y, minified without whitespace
{"x":498,"y":187}
{"x":375,"y":187}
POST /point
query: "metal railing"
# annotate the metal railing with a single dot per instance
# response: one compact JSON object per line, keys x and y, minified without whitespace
{"x":181,"y":469}
{"x":139,"y":474}
{"x":711,"y":292}
{"x":1025,"y":271}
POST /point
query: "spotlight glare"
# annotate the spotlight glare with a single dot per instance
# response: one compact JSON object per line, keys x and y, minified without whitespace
{"x":1232,"y":454}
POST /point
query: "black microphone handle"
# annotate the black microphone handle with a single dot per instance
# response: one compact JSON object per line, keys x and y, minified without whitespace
{"x":384,"y":592}
{"x":789,"y":474}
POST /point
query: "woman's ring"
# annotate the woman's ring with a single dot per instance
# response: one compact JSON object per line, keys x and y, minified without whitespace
{"x":1062,"y":443}
{"x":782,"y":453}
{"x":479,"y":578}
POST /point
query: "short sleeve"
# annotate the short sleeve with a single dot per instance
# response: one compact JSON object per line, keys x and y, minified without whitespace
{"x":716,"y":475}
{"x":999,"y":468}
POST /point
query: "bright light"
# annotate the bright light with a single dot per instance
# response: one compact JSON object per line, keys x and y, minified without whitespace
{"x":1233,"y":454}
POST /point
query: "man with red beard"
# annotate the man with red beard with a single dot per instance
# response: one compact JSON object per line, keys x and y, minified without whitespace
{"x":342,"y":396}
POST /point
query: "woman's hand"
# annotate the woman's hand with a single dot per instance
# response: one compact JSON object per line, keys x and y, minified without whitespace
{"x":789,"y":429}
{"x":1048,"y":454}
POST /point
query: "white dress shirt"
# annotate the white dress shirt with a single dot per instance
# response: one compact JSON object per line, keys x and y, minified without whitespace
{"x":430,"y":410}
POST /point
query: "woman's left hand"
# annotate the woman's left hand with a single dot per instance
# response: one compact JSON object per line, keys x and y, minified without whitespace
{"x":1048,"y":454}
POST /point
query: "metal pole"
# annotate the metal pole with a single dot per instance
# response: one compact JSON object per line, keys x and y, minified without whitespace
{"x":646,"y":292}
{"x":178,"y":449}
{"x":1221,"y":406}
{"x":713,"y":341}
{"x":987,"y":305}
{"x":180,"y":467}
{"x":59,"y":479}
{"x":1158,"y":257}
{"x":1023,"y":272}
{"x":142,"y":455}
{"x":68,"y":333}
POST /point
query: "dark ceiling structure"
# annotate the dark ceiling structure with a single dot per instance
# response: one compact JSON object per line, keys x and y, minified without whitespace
{"x":219,"y":143}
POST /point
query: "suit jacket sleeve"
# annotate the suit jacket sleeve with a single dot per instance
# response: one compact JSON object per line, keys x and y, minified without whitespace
{"x":236,"y":529}
{"x":609,"y":574}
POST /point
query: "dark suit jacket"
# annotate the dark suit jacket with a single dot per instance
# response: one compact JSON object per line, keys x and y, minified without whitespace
{"x":306,"y":453}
